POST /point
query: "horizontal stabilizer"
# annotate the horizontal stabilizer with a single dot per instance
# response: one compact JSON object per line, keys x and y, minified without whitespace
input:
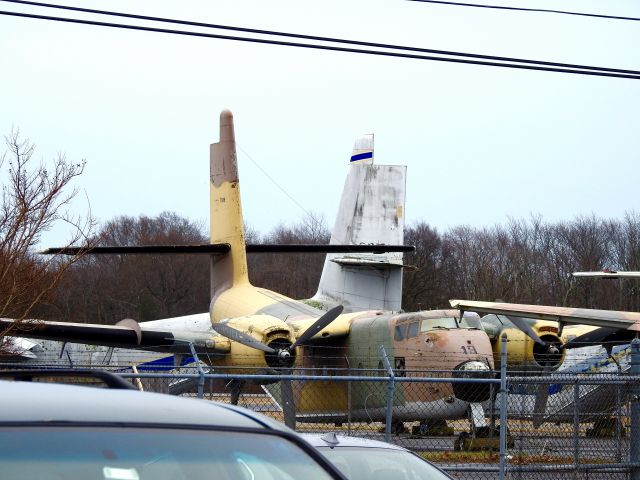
{"x":300,"y":248}
{"x":118,"y":336}
{"x":209,"y":248}
{"x":366,"y":262}
{"x":221,"y":248}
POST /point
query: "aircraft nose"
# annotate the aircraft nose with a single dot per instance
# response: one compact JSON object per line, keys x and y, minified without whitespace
{"x":472,"y":392}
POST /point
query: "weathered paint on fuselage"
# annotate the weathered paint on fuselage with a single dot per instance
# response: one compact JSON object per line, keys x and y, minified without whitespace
{"x":349,"y":342}
{"x":419,"y":351}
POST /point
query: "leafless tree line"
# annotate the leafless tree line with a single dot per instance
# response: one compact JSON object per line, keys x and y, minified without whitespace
{"x":524,"y":261}
{"x":109,"y":288}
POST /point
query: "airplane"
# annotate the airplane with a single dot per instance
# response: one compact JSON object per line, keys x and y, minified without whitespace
{"x":371,"y":212}
{"x":603,"y":348}
{"x":255,"y":328}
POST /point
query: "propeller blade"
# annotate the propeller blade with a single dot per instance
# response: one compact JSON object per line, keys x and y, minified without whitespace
{"x":526,"y":329}
{"x":288,"y":405}
{"x":540,"y":405}
{"x":319,"y":324}
{"x":241,"y":337}
{"x":236,"y":389}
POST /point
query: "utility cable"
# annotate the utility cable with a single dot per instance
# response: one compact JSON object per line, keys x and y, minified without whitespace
{"x":321,"y":38}
{"x":595,"y":71}
{"x":273,"y":181}
{"x":521,"y":9}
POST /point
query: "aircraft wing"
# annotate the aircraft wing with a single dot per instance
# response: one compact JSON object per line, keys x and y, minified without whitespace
{"x":128,"y":334}
{"x":607,"y":274}
{"x":580,"y":316}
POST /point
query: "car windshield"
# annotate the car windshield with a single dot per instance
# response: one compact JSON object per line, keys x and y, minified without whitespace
{"x":103,"y":453}
{"x":358,"y":463}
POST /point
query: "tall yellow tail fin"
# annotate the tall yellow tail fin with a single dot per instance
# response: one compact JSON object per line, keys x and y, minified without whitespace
{"x":226,"y":211}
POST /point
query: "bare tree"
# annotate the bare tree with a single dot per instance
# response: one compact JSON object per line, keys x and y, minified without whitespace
{"x":295,"y":275}
{"x":34,"y":198}
{"x":423,"y":279}
{"x":106,"y":289}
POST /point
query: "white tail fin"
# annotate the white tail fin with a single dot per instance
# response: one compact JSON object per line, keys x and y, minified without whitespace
{"x":371,"y":212}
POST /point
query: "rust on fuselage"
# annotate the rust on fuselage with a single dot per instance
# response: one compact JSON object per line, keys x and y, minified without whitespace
{"x":436,"y":343}
{"x":428,"y":343}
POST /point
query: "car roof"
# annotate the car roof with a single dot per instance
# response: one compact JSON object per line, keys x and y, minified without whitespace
{"x":317,"y":440}
{"x":47,"y":402}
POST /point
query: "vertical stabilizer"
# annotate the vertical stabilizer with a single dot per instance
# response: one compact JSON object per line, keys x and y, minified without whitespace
{"x":363,"y":150}
{"x":226,"y":211}
{"x":371,"y":212}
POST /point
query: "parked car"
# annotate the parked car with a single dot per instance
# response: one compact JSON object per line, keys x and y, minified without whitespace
{"x":364,"y":459}
{"x":53,"y":431}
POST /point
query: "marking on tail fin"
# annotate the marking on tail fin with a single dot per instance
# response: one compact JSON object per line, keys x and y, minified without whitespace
{"x":363,"y":150}
{"x":361,"y":156}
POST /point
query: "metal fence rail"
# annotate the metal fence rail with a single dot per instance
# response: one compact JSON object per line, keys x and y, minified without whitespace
{"x":527,"y":427}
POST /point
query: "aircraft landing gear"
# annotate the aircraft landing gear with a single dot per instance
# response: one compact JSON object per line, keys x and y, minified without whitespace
{"x":397,"y":428}
{"x":433,"y":428}
{"x":607,"y":427}
{"x":485,"y":438}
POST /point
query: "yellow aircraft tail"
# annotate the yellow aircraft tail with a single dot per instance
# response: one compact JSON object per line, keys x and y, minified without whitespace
{"x":226,"y":211}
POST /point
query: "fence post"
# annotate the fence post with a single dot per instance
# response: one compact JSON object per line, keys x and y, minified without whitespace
{"x":576,"y":424}
{"x":200,"y":371}
{"x":618,"y":422}
{"x":634,"y":437}
{"x":503,"y":408}
{"x":390,"y":387}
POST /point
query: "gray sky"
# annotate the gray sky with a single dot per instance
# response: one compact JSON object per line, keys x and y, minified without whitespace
{"x":481,"y":143}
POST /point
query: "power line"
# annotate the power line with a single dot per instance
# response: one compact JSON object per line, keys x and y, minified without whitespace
{"x":320,"y":38}
{"x":273,"y":181}
{"x":521,"y":9}
{"x":578,"y":70}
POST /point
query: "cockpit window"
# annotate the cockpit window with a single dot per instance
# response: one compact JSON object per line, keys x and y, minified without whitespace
{"x":399,"y":332}
{"x":414,"y":328}
{"x":450,"y":322}
{"x":442,"y":322}
{"x":471,"y":321}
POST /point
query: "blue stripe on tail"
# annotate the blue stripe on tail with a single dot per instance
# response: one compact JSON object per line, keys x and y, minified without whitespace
{"x":361,"y":156}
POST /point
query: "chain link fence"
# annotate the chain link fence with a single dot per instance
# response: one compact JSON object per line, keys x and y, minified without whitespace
{"x":573,"y":425}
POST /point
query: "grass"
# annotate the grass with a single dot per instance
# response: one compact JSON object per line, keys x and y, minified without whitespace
{"x":493,"y":457}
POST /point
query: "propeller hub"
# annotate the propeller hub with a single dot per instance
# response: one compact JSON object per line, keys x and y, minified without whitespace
{"x":550,"y":354}
{"x":283,"y":355}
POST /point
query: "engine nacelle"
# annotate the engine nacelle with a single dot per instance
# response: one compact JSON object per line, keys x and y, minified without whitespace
{"x":524,"y":354}
{"x":268,"y":330}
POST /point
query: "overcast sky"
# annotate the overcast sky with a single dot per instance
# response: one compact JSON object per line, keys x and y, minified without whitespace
{"x":481,"y":143}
